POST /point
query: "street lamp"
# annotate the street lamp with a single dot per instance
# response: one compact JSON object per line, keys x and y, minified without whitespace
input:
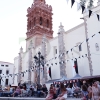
{"x":39,"y":61}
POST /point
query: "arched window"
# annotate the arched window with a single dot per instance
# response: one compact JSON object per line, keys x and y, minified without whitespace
{"x":40,"y":20}
{"x":34,"y":21}
{"x":47,"y":23}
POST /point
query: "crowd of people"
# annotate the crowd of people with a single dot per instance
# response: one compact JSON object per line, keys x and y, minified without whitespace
{"x":24,"y":91}
{"x":57,"y":91}
{"x":78,"y":89}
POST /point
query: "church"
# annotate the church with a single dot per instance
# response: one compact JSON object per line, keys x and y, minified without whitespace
{"x":75,"y":51}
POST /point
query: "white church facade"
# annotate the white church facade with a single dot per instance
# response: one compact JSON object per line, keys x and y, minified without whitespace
{"x":59,"y":52}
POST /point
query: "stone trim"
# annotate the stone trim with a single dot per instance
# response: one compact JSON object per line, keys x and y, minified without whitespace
{"x":74,"y":28}
{"x":88,"y":49}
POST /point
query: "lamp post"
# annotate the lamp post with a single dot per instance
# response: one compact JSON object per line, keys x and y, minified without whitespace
{"x":39,"y":61}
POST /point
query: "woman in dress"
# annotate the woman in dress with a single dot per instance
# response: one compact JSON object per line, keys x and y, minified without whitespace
{"x":95,"y":92}
{"x":50,"y":93}
{"x":63,"y":95}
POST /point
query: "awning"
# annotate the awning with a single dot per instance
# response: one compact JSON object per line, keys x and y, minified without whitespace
{"x":51,"y":81}
{"x":89,"y":77}
{"x":77,"y":76}
{"x":64,"y":78}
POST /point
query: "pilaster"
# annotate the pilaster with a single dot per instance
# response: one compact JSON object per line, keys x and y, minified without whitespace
{"x":61,"y":51}
{"x":19,"y":78}
{"x":30,"y":63}
{"x":43,"y":51}
{"x":88,"y":48}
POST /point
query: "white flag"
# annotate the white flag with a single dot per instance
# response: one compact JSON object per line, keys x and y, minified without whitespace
{"x":86,"y":10}
{"x":67,"y":1}
{"x":94,"y":14}
{"x":78,"y":6}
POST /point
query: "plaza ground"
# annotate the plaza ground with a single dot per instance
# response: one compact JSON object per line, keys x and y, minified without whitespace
{"x":24,"y":98}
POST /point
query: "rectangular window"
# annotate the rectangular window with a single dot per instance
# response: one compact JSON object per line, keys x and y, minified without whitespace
{"x":7,"y":72}
{"x":0,"y":71}
{"x":6,"y":82}
{"x":56,"y":51}
{"x":6,"y":65}
{"x":2,"y":65}
{"x":0,"y":81}
{"x":80,"y":48}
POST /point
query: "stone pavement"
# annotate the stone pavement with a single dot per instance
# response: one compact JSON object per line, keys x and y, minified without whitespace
{"x":24,"y":98}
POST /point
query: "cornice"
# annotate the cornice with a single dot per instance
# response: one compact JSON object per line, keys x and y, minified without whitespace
{"x":74,"y":28}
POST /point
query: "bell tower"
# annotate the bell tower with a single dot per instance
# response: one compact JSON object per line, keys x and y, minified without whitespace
{"x":39,"y":22}
{"x":43,"y":1}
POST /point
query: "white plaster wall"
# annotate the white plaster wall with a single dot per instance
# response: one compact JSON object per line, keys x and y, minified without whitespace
{"x":55,"y":69}
{"x":4,"y":68}
{"x":51,"y":58}
{"x":72,"y":38}
{"x":93,"y":26}
{"x":16,"y":65}
{"x":25,"y":66}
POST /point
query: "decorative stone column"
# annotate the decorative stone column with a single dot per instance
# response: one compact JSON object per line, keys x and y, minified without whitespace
{"x":30,"y":63}
{"x":43,"y":51}
{"x":88,"y":49}
{"x":62,"y":51}
{"x":20,"y":65}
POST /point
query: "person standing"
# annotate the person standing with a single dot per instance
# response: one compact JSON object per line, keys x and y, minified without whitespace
{"x":95,"y":91}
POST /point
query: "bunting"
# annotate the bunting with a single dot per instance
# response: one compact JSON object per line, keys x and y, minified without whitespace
{"x":34,"y":67}
{"x":83,"y":8}
{"x":79,"y":45}
{"x":98,"y":17}
{"x":90,"y":12}
{"x":72,"y":2}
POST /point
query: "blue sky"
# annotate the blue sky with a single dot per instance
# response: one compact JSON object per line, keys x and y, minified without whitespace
{"x":13,"y":23}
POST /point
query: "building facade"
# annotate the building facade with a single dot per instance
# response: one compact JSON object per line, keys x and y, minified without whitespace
{"x":59,"y":52}
{"x":6,"y":69}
